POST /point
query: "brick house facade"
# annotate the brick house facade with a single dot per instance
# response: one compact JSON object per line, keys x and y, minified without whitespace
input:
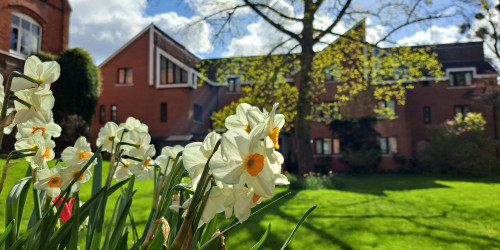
{"x":28,"y":26}
{"x":154,"y":79}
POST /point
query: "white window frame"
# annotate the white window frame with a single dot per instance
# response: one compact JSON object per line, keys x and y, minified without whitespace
{"x":391,"y":150}
{"x":32,"y":21}
{"x":463,"y":69}
{"x":190,"y":71}
{"x":238,"y":81}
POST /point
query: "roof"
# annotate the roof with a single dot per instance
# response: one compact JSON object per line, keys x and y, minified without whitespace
{"x":148,"y":28}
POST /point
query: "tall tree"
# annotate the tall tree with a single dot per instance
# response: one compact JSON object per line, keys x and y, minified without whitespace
{"x":305,"y":33}
{"x":484,"y":23}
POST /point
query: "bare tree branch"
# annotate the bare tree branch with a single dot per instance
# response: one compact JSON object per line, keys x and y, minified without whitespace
{"x":337,"y":20}
{"x":278,"y":12}
{"x":271,"y":22}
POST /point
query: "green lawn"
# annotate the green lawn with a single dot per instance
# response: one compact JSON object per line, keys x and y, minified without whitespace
{"x":386,"y":211}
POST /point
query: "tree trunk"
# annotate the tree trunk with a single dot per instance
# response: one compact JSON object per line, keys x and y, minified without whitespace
{"x":302,"y":120}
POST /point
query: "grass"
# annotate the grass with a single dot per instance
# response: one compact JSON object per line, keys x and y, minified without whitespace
{"x":385,"y":211}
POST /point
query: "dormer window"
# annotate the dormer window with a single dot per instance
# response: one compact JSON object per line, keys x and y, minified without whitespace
{"x":25,"y":35}
{"x":460,"y":78}
{"x":171,"y":73}
{"x":233,"y":84}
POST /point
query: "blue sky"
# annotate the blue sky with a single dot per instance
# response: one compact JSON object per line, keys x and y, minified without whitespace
{"x":104,"y":29}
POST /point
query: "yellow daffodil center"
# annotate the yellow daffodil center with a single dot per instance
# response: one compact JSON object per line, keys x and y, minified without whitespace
{"x":40,"y":81}
{"x":125,"y":165}
{"x":255,"y":198}
{"x":35,"y":148}
{"x":111,"y":138}
{"x":75,"y":173}
{"x":83,"y":155}
{"x":274,"y":137}
{"x":248,"y":129}
{"x":46,"y":154}
{"x":254,"y":164}
{"x":54,"y":182}
{"x":146,"y":162}
{"x":172,"y":160}
{"x":35,"y":128}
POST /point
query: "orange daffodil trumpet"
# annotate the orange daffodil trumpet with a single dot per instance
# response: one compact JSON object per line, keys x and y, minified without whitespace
{"x":50,"y":180}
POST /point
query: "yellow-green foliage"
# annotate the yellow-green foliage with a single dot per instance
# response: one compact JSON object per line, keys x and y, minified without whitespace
{"x":269,"y":72}
{"x":357,"y":67}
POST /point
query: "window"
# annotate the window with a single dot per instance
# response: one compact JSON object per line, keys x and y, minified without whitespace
{"x":389,"y":145}
{"x":327,"y":146}
{"x":462,"y":110}
{"x":463,"y":78}
{"x":197,"y":110}
{"x":163,"y":112}
{"x":113,"y":113}
{"x":234,"y":86}
{"x":170,"y":73}
{"x":326,"y":111}
{"x":333,"y":73}
{"x":425,"y":83}
{"x":427,"y":115}
{"x":24,"y":34}
{"x":102,"y":114}
{"x":388,"y":108}
{"x":125,"y":76}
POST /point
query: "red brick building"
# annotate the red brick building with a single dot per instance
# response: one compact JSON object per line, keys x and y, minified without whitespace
{"x":154,"y":79}
{"x":29,"y":26}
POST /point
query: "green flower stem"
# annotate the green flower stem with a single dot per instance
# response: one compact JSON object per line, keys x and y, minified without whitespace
{"x":131,"y":158}
{"x":23,"y":102}
{"x":6,"y":97}
{"x":36,"y":198}
{"x":129,"y":144}
{"x":185,"y":234}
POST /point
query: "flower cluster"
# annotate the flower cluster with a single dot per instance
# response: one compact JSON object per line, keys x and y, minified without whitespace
{"x":36,"y":128}
{"x":246,"y":166}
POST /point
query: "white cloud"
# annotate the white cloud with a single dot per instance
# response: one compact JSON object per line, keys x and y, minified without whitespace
{"x":433,"y":35}
{"x":101,"y":27}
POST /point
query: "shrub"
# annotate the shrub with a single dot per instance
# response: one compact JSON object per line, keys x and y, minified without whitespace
{"x":360,"y":147}
{"x":78,"y":87}
{"x":459,"y":147}
{"x":315,"y":181}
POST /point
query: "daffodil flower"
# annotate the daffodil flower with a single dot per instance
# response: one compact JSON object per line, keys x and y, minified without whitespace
{"x":274,"y":124}
{"x":42,"y":122}
{"x":219,"y":196}
{"x":44,"y":73}
{"x":239,"y":120}
{"x":107,"y":137}
{"x":242,"y":160}
{"x":172,"y":153}
{"x":79,"y":154}
{"x":70,"y":173}
{"x":43,"y":149}
{"x":196,"y":154}
{"x":137,"y":140}
{"x":143,"y":169}
{"x":38,"y":105}
{"x":122,"y":170}
{"x":244,"y":200}
{"x":50,"y":180}
{"x":133,"y":124}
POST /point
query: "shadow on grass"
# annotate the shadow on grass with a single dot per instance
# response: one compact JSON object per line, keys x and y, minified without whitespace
{"x":377,"y":184}
{"x":462,"y":236}
{"x":275,"y":241}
